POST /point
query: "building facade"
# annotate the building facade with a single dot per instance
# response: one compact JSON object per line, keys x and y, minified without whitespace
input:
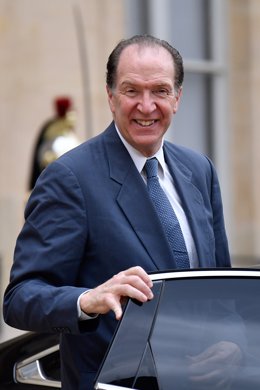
{"x":60,"y":47}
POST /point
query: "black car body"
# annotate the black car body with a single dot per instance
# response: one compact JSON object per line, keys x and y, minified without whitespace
{"x":157,"y":344}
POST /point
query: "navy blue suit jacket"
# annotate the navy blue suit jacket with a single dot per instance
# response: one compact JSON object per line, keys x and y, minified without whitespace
{"x":90,"y":217}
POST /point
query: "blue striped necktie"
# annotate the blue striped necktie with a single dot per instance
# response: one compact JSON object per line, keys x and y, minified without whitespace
{"x":166,"y":215}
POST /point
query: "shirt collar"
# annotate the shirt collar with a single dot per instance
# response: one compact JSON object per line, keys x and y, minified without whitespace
{"x":139,"y":159}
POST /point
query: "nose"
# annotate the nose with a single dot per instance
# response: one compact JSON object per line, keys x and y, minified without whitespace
{"x":146,"y":104}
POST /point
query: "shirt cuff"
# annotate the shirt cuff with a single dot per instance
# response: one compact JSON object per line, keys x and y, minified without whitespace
{"x":81,"y":315}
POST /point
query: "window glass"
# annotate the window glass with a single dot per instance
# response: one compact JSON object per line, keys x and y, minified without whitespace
{"x":189,"y":27}
{"x":136,"y":17}
{"x":191,"y":125}
{"x":197,"y":333}
{"x":130,"y":347}
{"x":184,"y":23}
{"x":146,"y":377}
{"x":208,"y":328}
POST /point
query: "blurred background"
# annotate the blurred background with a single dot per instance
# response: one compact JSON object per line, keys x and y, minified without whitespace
{"x":56,"y":50}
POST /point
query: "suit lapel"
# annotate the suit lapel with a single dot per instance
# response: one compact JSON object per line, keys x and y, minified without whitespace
{"x":194,"y":208}
{"x":135,"y":203}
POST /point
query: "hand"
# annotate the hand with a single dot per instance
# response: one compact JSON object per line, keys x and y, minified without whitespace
{"x":215,"y":367}
{"x":133,"y":282}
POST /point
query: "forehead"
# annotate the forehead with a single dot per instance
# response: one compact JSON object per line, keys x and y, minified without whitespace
{"x":145,"y":62}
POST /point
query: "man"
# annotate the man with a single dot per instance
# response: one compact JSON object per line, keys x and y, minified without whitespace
{"x":92,"y":233}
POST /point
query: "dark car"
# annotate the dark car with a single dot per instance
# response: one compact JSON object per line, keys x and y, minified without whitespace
{"x":201,"y":331}
{"x":30,"y":361}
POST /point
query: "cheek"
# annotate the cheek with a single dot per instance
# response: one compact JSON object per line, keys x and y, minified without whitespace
{"x":169,"y":110}
{"x":116,"y":105}
{"x":124,"y":109}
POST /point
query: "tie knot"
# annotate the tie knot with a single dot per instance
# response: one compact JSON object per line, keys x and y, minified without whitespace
{"x":151,"y":167}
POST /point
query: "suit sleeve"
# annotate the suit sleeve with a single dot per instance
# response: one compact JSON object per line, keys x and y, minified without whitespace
{"x":43,"y":291}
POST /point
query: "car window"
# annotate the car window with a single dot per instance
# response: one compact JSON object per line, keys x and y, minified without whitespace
{"x":194,"y":330}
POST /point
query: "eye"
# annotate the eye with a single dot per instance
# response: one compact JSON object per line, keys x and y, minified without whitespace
{"x":130,"y":92}
{"x":161,"y":92}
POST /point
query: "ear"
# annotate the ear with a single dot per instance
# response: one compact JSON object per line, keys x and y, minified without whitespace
{"x":110,"y":99}
{"x":177,"y":101}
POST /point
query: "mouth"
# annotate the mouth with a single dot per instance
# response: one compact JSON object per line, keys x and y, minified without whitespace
{"x":145,"y":123}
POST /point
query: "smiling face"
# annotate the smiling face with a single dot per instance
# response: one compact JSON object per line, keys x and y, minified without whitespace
{"x":143,"y":100}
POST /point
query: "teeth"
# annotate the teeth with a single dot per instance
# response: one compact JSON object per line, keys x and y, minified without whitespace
{"x":145,"y":123}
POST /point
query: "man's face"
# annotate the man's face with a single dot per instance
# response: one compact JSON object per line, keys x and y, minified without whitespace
{"x":143,"y":101}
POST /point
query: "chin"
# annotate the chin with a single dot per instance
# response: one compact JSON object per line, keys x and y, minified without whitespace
{"x":147,"y":149}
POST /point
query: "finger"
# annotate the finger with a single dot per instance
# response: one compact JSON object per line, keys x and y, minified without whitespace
{"x":130,"y":283}
{"x":114,"y":304}
{"x":209,"y":376}
{"x":139,"y":271}
{"x":212,"y":381}
{"x":135,"y":277}
{"x":204,"y":355}
{"x":131,"y":291}
{"x":117,"y":309}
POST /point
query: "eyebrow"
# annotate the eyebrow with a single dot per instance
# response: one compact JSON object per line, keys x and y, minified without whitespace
{"x":156,"y":84}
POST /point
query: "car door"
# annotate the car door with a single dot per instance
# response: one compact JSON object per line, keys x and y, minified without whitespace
{"x":201,"y":331}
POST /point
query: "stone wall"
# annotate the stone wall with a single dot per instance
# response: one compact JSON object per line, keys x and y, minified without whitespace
{"x":244,"y":87}
{"x":42,"y":57}
{"x":48,"y":48}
